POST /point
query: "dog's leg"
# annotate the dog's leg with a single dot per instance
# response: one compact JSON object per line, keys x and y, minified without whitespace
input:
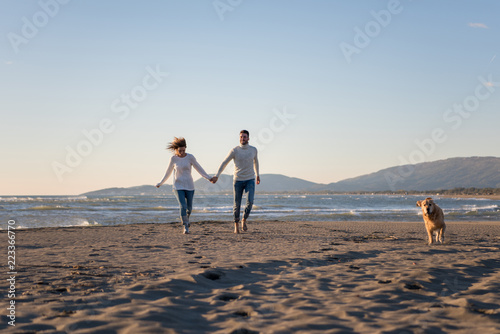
{"x":441,"y":234}
{"x":430,"y":237}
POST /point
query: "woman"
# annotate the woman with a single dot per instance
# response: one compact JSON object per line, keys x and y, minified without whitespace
{"x":183,"y":186}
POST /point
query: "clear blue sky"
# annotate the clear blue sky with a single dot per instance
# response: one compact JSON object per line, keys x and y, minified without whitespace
{"x":328,"y":89}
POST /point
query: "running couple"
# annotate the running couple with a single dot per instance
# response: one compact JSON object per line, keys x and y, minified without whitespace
{"x":246,"y":174}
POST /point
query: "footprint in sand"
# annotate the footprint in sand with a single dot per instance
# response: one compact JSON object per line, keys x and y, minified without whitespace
{"x":242,"y":313}
{"x":413,"y":286}
{"x":244,"y":331}
{"x":192,"y":250}
{"x":213,"y":274}
{"x":227,"y":297}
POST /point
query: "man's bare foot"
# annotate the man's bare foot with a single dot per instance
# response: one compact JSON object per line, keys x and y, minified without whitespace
{"x":236,"y":228}
{"x":244,"y":224}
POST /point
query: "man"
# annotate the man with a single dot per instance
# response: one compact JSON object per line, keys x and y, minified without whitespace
{"x":246,"y":171}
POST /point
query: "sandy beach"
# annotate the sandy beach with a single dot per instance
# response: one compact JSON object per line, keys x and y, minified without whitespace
{"x":279,"y":277}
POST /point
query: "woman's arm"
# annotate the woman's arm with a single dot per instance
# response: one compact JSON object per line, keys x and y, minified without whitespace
{"x":199,"y":169}
{"x":169,"y":171}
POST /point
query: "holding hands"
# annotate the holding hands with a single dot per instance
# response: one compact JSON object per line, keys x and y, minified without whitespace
{"x":215,"y":178}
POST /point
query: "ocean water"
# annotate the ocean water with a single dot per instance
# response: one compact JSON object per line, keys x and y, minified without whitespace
{"x":59,"y":211}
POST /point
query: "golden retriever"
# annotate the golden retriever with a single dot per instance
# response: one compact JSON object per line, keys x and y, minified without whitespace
{"x":433,"y":218}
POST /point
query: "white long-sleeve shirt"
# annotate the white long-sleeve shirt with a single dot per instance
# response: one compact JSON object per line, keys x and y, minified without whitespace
{"x":181,"y":167}
{"x":246,"y":163}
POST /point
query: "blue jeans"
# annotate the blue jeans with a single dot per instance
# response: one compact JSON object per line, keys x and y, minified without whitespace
{"x":185,"y":199}
{"x":239,"y":188}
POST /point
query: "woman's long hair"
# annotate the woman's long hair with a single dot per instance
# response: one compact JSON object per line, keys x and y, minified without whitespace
{"x":176,"y":143}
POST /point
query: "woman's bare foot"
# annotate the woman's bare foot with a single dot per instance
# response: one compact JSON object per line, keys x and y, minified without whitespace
{"x":236,"y":228}
{"x":244,"y":224}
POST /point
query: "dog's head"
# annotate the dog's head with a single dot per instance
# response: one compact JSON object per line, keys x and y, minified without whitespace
{"x":427,"y":206}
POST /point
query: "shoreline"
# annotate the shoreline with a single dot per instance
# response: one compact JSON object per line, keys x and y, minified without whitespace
{"x":56,"y":228}
{"x":490,"y":197}
{"x":260,"y":221}
{"x":365,"y":277}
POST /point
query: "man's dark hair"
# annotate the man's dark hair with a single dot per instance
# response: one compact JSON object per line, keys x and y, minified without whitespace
{"x":245,"y":131}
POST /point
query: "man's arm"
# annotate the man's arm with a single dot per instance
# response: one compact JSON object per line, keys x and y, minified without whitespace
{"x":256,"y":166}
{"x":223,"y":165}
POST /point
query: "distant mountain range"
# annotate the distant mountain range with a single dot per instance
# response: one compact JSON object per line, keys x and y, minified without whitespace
{"x":473,"y":172}
{"x":477,"y":172}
